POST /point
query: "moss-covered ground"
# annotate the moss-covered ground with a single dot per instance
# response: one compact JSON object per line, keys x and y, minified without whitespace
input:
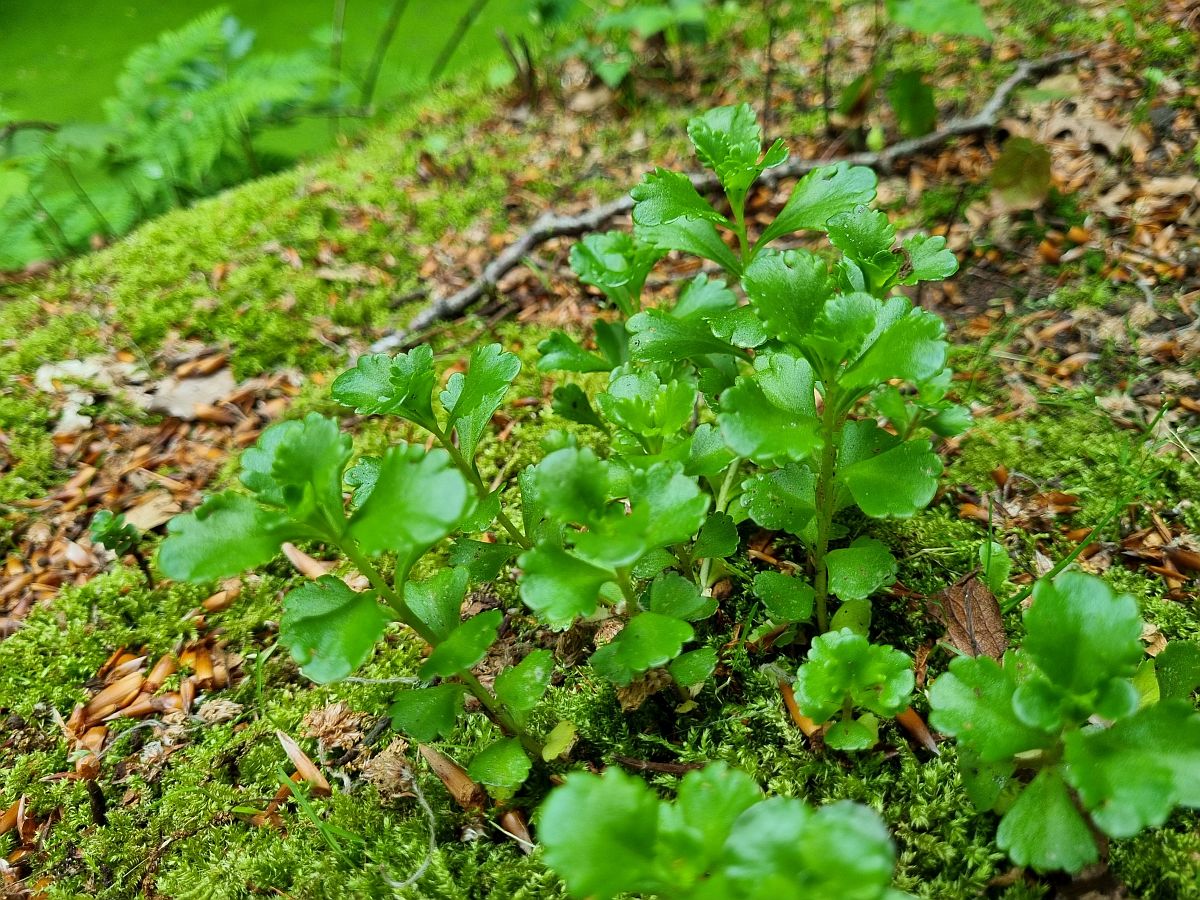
{"x":299,"y":268}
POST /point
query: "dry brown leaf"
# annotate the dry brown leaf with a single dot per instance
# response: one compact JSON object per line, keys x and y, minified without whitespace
{"x":972,"y":618}
{"x":305,"y":767}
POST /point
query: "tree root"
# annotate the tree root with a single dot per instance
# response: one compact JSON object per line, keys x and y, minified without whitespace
{"x":551,"y":225}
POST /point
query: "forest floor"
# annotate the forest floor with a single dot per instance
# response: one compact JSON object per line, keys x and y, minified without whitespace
{"x":133,"y":377}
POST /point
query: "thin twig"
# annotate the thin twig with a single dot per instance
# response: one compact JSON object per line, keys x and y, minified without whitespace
{"x":551,"y":225}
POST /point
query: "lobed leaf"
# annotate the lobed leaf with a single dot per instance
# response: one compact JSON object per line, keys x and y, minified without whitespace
{"x":1132,"y":775}
{"x":298,"y":466}
{"x":472,"y":399}
{"x":699,"y":237}
{"x":558,"y":586}
{"x":673,"y":595}
{"x":437,"y":601}
{"x":788,"y":291}
{"x":974,"y":702}
{"x":657,"y":336}
{"x":560,"y":353}
{"x":818,"y":196}
{"x":228,"y":534}
{"x":858,"y":571}
{"x":1081,"y":634}
{"x":464,"y":647}
{"x":330,"y":629}
{"x":648,"y":641}
{"x":782,"y":500}
{"x":610,"y":850}
{"x":694,"y":667}
{"x":425,"y":714}
{"x":520,"y":687}
{"x":771,"y":416}
{"x":1043,"y":829}
{"x":897,"y":482}
{"x":503,"y":764}
{"x":784,"y":597}
{"x":665,"y":196}
{"x":418,"y":499}
{"x":843,"y":664}
{"x":380,"y":385}
{"x":928,"y":259}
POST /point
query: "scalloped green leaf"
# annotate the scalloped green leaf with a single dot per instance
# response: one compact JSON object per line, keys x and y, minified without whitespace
{"x":858,"y":571}
{"x":788,"y":291}
{"x":648,"y":641}
{"x":818,"y":196}
{"x":418,"y":499}
{"x":1132,"y":775}
{"x":657,"y":336}
{"x":897,"y":482}
{"x":698,"y":237}
{"x":502,"y":765}
{"x":1081,"y":634}
{"x":694,"y":667}
{"x":1043,"y":829}
{"x":665,"y":196}
{"x":558,"y":586}
{"x":974,"y":702}
{"x":771,"y":416}
{"x":228,"y":534}
{"x":464,"y":647}
{"x":437,"y":601}
{"x":299,"y":465}
{"x":784,"y":597}
{"x":560,"y":353}
{"x":472,"y":399}
{"x":330,"y":629}
{"x":425,"y":714}
{"x":782,"y":500}
{"x":520,"y":687}
{"x":610,"y":850}
{"x":718,"y":537}
{"x":400,"y":385}
{"x":928,"y":259}
{"x":843,"y":664}
{"x":673,"y":595}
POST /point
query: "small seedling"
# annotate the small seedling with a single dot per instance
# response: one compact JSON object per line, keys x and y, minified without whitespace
{"x":117,"y":536}
{"x":1067,"y":736}
{"x":719,"y":839}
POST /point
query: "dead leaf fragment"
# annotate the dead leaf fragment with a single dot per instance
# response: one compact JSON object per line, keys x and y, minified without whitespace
{"x":466,"y":793}
{"x":972,"y":618}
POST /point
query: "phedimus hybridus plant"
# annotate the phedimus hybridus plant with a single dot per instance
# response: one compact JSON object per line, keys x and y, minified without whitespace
{"x":796,"y":387}
{"x":1075,"y":732}
{"x":716,"y":411}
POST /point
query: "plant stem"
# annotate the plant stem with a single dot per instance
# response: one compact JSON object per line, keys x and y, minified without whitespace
{"x":625,"y":583}
{"x":738,"y":205}
{"x":722,"y":504}
{"x":392,"y":595}
{"x":335,"y":50}
{"x":381,"y":49}
{"x":464,"y":466}
{"x":456,"y":37}
{"x":498,"y":714}
{"x":826,"y":499}
{"x":84,"y":196}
